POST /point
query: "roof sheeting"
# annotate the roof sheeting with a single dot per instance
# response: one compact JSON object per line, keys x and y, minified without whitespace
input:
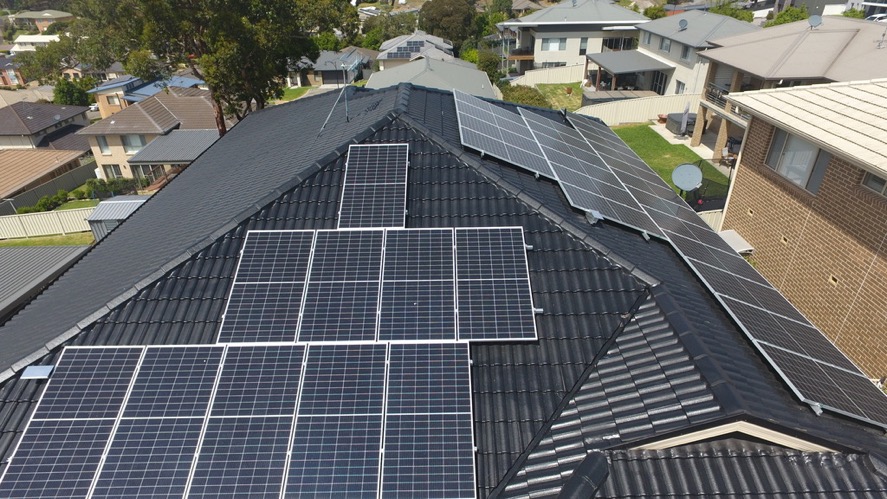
{"x":21,"y":167}
{"x":27,"y":118}
{"x":435,"y":74}
{"x":580,"y":12}
{"x":29,"y":267}
{"x":840,"y":49}
{"x":178,"y":146}
{"x":628,"y":61}
{"x":117,"y":208}
{"x":847,"y":119}
{"x":702,"y":26}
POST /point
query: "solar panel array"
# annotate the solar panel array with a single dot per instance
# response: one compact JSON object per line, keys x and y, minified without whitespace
{"x":813,"y":367}
{"x":382,"y":285}
{"x":256,"y":421}
{"x":375,"y":190}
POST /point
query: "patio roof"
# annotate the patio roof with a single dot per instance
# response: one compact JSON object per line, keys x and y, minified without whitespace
{"x":627,"y":61}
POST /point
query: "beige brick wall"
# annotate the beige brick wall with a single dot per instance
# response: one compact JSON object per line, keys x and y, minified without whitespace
{"x":827,"y":252}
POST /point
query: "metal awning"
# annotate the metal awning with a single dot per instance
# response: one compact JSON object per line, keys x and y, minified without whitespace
{"x":627,"y":61}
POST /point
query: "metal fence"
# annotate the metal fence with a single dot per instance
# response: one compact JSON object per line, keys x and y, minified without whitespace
{"x":67,"y":181}
{"x":642,"y":109}
{"x":562,"y":74}
{"x":47,"y":223}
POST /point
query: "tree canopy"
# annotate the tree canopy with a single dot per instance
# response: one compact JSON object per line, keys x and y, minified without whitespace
{"x":788,"y":15}
{"x":728,"y":8}
{"x":655,"y":11}
{"x":240,"y":48}
{"x":387,"y":26}
{"x":449,"y":19}
{"x":67,"y":93}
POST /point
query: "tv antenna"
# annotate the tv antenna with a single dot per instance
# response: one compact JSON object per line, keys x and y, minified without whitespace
{"x":345,"y":70}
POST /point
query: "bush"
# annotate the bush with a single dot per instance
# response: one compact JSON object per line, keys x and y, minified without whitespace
{"x":46,"y":203}
{"x":520,"y":94}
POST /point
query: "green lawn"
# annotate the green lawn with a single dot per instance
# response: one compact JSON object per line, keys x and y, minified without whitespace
{"x":79,"y":203}
{"x":293,"y":93}
{"x":77,"y":239}
{"x":664,"y":157}
{"x":557,"y":96}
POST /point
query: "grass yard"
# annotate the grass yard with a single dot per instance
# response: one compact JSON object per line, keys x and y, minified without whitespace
{"x":557,"y":97}
{"x":664,"y":157}
{"x":79,"y":203}
{"x":293,"y":93}
{"x":76,"y":239}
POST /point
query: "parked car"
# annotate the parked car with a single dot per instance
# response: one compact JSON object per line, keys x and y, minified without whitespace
{"x":878,"y":18}
{"x":93,"y":107}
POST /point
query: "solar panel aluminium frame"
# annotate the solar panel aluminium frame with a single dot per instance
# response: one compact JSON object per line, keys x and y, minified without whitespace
{"x":347,"y":181}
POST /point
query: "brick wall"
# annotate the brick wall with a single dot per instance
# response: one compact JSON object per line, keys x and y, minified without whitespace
{"x":827,"y":252}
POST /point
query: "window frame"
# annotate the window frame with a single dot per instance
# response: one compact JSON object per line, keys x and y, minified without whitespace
{"x":648,"y":37}
{"x":813,"y":170}
{"x":561,"y":45}
{"x":664,"y":44}
{"x":685,"y":52}
{"x":113,"y":100}
{"x":679,"y":87}
{"x":583,"y":45}
{"x":865,"y":183}
{"x":128,"y":147}
{"x":114,"y":171}
{"x":102,"y":142}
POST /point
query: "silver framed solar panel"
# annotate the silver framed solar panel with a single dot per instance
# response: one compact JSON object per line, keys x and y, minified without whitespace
{"x":375,"y":186}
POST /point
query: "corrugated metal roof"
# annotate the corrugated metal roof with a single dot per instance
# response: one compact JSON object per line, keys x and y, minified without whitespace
{"x":628,"y":61}
{"x":21,"y":167}
{"x":847,"y":119}
{"x":178,"y":146}
{"x":117,"y":208}
{"x":28,"y":267}
{"x":702,"y":26}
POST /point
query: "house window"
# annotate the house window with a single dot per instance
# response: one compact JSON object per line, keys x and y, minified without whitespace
{"x":103,"y":144}
{"x":647,"y":37}
{"x":554,"y":44}
{"x":583,"y":46}
{"x":664,"y":44}
{"x":685,"y":52}
{"x":679,"y":87}
{"x":659,"y":82}
{"x":553,"y":64}
{"x":875,"y":183}
{"x":133,"y":143}
{"x":627,"y":43}
{"x":799,"y":161}
{"x":148,"y":172}
{"x":113,"y":100}
{"x":112,"y":171}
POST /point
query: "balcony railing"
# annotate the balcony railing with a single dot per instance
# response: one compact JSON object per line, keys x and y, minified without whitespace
{"x":718,"y":96}
{"x":521,"y":54}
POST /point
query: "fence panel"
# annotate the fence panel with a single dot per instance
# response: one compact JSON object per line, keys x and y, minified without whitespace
{"x":67,"y":181}
{"x":48,"y":223}
{"x":563,"y":74}
{"x":642,"y":109}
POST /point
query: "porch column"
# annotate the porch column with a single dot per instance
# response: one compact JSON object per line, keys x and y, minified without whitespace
{"x":597,"y":84}
{"x":699,"y":129}
{"x":613,"y":82}
{"x":721,"y":141}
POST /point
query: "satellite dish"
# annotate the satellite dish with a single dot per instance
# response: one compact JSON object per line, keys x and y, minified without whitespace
{"x":687,"y":177}
{"x":57,"y":117}
{"x":814,"y":21}
{"x":682,"y":24}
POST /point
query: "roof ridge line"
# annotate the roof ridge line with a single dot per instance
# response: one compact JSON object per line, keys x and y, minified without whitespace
{"x":518,"y":463}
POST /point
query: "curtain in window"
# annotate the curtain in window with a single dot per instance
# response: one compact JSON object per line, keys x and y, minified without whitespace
{"x":797,"y":160}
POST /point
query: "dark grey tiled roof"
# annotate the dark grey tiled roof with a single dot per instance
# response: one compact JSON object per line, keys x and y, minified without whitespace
{"x":29,"y":267}
{"x":26,"y":118}
{"x":65,"y":138}
{"x":631,"y":346}
{"x":178,"y":146}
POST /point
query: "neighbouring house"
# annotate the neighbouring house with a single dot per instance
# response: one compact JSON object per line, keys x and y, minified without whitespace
{"x":433,"y":73}
{"x":41,"y":19}
{"x":29,"y":43}
{"x":523,"y":7}
{"x":405,"y":48}
{"x":253,"y":320}
{"x":167,"y":155}
{"x":27,"y":270}
{"x":837,"y":49}
{"x":29,"y":125}
{"x":118,"y":138}
{"x":112,"y":72}
{"x":563,"y":34}
{"x":112,"y":212}
{"x":10,"y":76}
{"x":809,"y":196}
{"x":666,"y":60}
{"x":342,"y":67}
{"x":119,"y":93}
{"x":24,"y":170}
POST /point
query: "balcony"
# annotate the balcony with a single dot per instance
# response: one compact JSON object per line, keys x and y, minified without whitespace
{"x":717,"y":96}
{"x":521,"y":54}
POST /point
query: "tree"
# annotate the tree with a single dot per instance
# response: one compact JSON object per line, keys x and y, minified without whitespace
{"x":387,"y":26}
{"x":66,"y":93}
{"x":728,"y":8}
{"x":327,"y":41}
{"x":788,"y":15}
{"x":240,"y":48}
{"x":449,"y":19}
{"x":655,"y":11}
{"x":503,"y":6}
{"x":854,"y":13}
{"x":47,"y":63}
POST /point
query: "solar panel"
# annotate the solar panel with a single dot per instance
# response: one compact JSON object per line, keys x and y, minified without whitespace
{"x":375,"y":188}
{"x":174,"y":381}
{"x":344,"y":379}
{"x":493,"y":285}
{"x":428,"y":378}
{"x":335,"y":456}
{"x":149,"y":458}
{"x":242,"y":457}
{"x":259,"y":381}
{"x":428,"y":455}
{"x":88,"y":383}
{"x":56,"y":459}
{"x":418,"y":299}
{"x":275,"y":256}
{"x":497,"y":132}
{"x":585,"y":178}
